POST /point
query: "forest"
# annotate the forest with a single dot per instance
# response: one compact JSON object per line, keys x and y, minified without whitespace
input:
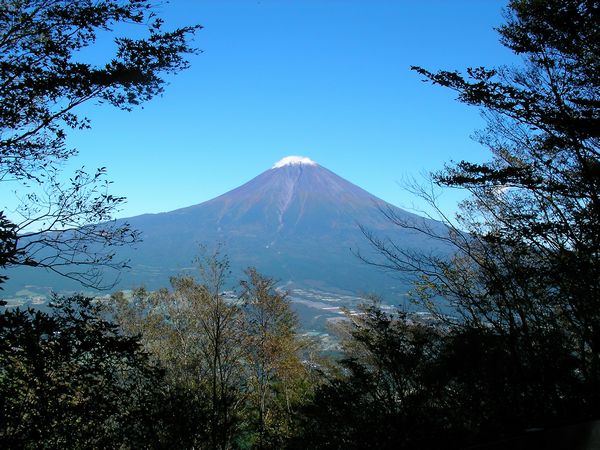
{"x":195,"y":366}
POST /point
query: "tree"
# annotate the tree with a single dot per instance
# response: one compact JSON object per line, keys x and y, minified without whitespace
{"x":70,"y":380}
{"x":388,"y":393}
{"x":276,"y":375}
{"x":527,"y":243}
{"x":64,"y":226}
{"x":197,"y":334}
{"x":239,"y":359}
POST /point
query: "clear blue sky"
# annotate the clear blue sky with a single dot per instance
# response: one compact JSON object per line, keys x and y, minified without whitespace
{"x":325,"y":79}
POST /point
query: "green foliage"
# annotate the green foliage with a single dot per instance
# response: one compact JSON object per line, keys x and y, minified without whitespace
{"x":8,"y":238}
{"x":387,"y":395}
{"x":413,"y":382}
{"x":524,"y":350}
{"x":530,"y":265}
{"x":71,"y":380}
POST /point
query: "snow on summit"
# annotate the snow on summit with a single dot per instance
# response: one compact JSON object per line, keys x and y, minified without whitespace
{"x":292,"y":161}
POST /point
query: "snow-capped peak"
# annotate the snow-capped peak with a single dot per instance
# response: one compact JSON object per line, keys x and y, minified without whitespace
{"x":293,"y":160}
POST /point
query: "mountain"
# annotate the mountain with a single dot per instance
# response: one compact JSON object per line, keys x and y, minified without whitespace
{"x":297,"y":222}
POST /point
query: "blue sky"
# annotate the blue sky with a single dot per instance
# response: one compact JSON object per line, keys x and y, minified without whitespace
{"x":326,"y":79}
